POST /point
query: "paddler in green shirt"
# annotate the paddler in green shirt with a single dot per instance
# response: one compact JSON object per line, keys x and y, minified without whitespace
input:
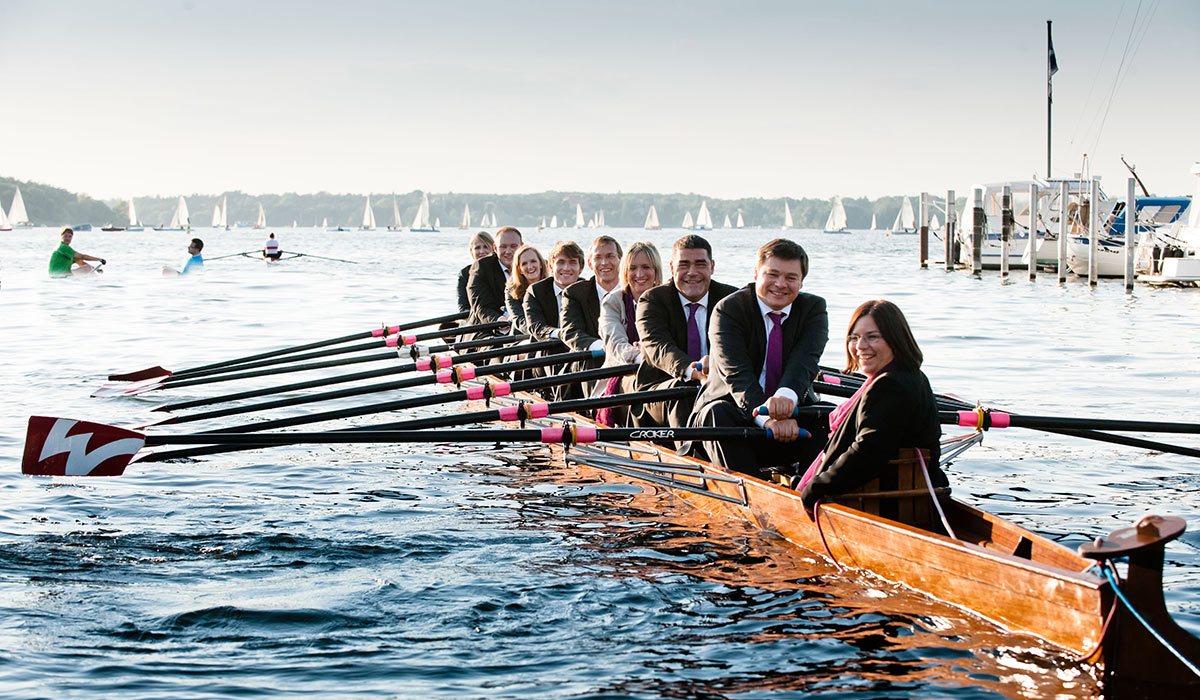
{"x":65,"y":256}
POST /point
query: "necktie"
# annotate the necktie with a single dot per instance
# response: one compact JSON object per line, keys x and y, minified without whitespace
{"x":693,"y":331}
{"x":774,"y":363}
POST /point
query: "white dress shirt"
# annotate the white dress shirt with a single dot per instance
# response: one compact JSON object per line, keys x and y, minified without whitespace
{"x":784,"y":391}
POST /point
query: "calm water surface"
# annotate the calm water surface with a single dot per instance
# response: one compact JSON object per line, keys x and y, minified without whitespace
{"x":452,"y":570}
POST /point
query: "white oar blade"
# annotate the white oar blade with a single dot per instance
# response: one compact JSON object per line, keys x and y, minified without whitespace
{"x":68,"y":447}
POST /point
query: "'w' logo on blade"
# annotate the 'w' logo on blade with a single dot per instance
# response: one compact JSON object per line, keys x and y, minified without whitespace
{"x":66,"y":447}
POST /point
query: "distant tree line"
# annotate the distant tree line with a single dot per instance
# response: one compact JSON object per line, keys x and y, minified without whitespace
{"x":52,"y":206}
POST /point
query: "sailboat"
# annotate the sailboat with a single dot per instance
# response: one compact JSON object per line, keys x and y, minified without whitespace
{"x":368,"y":221}
{"x":396,"y":224}
{"x":579,"y":216}
{"x":874,"y":226}
{"x":728,"y":223}
{"x":741,"y":223}
{"x":225,"y":213}
{"x":261,"y":221}
{"x":17,"y":217}
{"x":543,"y":224}
{"x":703,"y":219}
{"x":836,"y":223}
{"x":325,"y":222}
{"x":216,"y":221}
{"x":687,"y":220}
{"x":181,"y":220}
{"x":466,"y":219}
{"x":421,"y":223}
{"x":4,"y":225}
{"x":493,"y":219}
{"x":787,"y":215}
{"x":651,"y":219}
{"x":134,"y":223}
{"x":935,"y":224}
{"x":600,"y":219}
{"x":906,"y":221}
{"x":592,"y":221}
{"x":554,"y":221}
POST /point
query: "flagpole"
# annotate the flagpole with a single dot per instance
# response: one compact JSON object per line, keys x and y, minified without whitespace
{"x":1049,"y":92}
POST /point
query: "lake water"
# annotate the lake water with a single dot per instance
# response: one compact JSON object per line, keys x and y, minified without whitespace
{"x":472,"y":571}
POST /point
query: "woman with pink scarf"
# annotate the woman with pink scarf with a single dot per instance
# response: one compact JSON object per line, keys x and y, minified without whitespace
{"x":894,"y":409}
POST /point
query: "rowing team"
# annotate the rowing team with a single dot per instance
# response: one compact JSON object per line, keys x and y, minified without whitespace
{"x":752,"y":352}
{"x":65,"y":260}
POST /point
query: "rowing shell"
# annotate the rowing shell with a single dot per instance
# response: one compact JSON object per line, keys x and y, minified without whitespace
{"x":993,"y":568}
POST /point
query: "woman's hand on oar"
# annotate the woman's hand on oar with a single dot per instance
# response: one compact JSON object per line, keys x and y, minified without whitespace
{"x":67,"y":447}
{"x":385,"y":330}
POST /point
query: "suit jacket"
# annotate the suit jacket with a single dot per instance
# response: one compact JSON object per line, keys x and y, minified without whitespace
{"x":618,"y":349}
{"x":541,"y":309}
{"x":464,"y":275}
{"x":485,"y":290}
{"x":897,"y":410}
{"x":580,"y":317}
{"x":662,"y":325}
{"x":516,"y":311}
{"x":737,"y":348}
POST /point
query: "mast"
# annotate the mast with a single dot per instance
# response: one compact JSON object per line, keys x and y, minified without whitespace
{"x":1051,"y":69}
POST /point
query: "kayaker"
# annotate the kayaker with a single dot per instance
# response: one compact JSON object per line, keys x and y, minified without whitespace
{"x":64,"y":257}
{"x":894,"y":409}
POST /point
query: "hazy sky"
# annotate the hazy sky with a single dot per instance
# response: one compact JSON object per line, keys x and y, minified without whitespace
{"x":728,"y":99}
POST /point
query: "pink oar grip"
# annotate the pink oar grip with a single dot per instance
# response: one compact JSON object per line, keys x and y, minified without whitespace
{"x":474,"y":393}
{"x":466,"y":373}
{"x":968,"y":419}
{"x":552,"y":434}
{"x":509,"y":413}
{"x":501,"y":389}
{"x":532,"y":410}
{"x":445,"y":377}
{"x":401,"y":340}
{"x":423,"y":364}
{"x":538,"y":410}
{"x":831,"y":379}
{"x":426,"y":363}
{"x":1000,"y":420}
{"x":585,"y":433}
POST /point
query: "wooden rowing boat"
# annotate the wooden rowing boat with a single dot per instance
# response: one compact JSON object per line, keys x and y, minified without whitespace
{"x":993,"y":568}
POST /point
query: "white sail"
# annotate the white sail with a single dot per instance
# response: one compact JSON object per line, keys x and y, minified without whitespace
{"x":421,"y":222}
{"x":579,"y":216}
{"x":787,"y":215}
{"x":437,"y":222}
{"x":600,"y":219}
{"x":261,"y":221}
{"x":704,"y":219}
{"x":396,"y":214}
{"x":325,"y":222}
{"x":216,"y":215}
{"x":874,"y":226}
{"x":17,"y":215}
{"x":652,"y":219}
{"x":741,"y":223}
{"x":368,"y":221}
{"x":592,"y":221}
{"x":554,"y":221}
{"x":493,"y":220}
{"x":837,"y":216}
{"x":466,"y":219}
{"x":133,"y":218}
{"x":935,"y":223}
{"x":224,"y":213}
{"x":4,"y":225}
{"x":687,"y":220}
{"x":181,"y":218}
{"x":909,"y":219}
{"x":728,"y":223}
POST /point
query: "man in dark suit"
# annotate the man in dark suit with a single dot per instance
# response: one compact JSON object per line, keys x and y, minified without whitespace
{"x":580,"y":316}
{"x":673,"y":321}
{"x":766,"y":340}
{"x":485,"y":286}
{"x":543,"y":299}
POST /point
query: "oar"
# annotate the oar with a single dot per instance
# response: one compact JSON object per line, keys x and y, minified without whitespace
{"x":50,"y":449}
{"x":522,"y":411}
{"x":322,"y":257}
{"x":231,"y":255}
{"x":433,"y":362}
{"x":235,"y":372}
{"x":453,"y":375}
{"x":416,"y":352}
{"x":152,"y":372}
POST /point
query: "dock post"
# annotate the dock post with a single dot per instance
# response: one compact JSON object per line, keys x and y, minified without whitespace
{"x":1006,"y":223}
{"x":1093,"y":231}
{"x":951,"y":258}
{"x":1033,"y":231}
{"x":1130,"y":232}
{"x":977,"y":224}
{"x":1063,"y":227}
{"x":923,"y":218}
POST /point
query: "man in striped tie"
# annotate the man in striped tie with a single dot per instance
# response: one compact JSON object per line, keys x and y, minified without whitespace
{"x":765,"y":341}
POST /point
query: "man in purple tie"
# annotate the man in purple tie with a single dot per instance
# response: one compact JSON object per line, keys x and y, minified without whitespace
{"x":672,"y":322}
{"x":765,"y":342}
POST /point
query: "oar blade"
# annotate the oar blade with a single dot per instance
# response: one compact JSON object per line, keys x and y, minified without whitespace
{"x":68,"y":447}
{"x":155,"y":372}
{"x":128,"y":388}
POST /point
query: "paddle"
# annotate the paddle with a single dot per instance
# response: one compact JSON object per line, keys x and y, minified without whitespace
{"x":66,"y":447}
{"x":231,"y":255}
{"x":386,"y":330}
{"x":522,"y":411}
{"x":322,"y":257}
{"x":237,"y":371}
{"x":434,"y":362}
{"x":455,"y":375}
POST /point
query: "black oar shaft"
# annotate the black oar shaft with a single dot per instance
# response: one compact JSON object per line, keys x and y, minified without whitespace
{"x":176,"y":380}
{"x":408,"y":382}
{"x":555,"y":435}
{"x":370,"y":374}
{"x":325,"y":343}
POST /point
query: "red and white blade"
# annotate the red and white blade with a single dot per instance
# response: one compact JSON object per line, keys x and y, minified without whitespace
{"x":68,"y":447}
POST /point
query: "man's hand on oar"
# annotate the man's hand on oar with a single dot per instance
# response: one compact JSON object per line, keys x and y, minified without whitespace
{"x":250,"y":369}
{"x":158,"y":371}
{"x":67,"y":447}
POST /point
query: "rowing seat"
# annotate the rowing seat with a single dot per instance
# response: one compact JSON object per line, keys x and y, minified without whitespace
{"x":899,"y":494}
